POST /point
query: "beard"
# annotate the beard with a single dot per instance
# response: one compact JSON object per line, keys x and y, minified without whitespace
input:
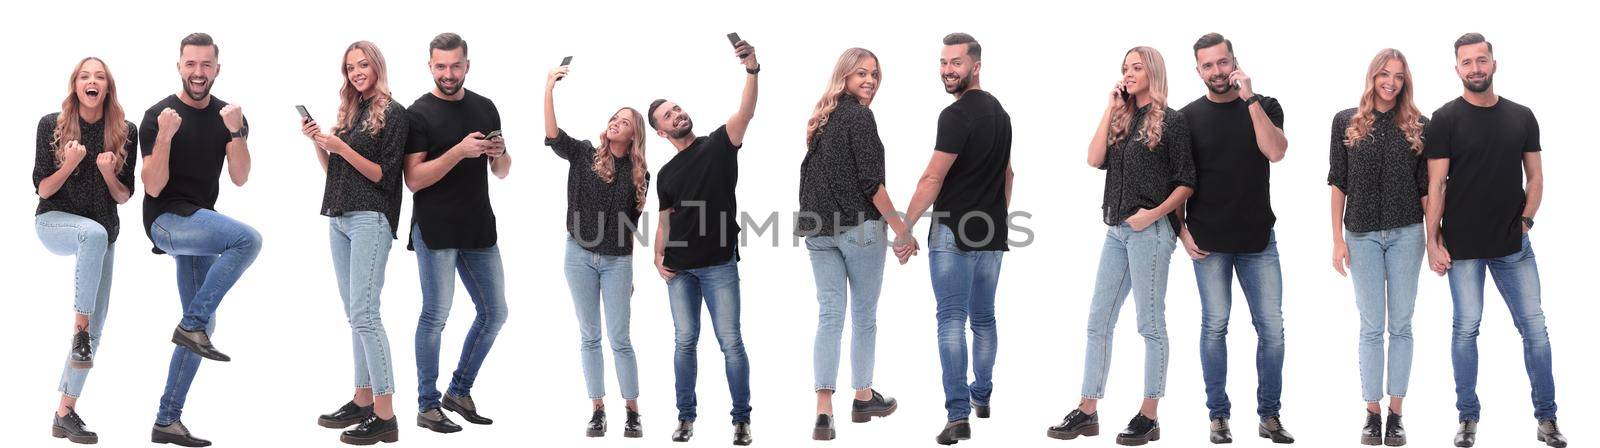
{"x":1478,"y":86}
{"x":197,"y":93}
{"x":1224,"y":88}
{"x":437,"y":82}
{"x":681,"y":133}
{"x":962,"y":84}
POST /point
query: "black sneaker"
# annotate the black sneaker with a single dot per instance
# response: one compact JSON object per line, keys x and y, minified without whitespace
{"x":1272,"y":428}
{"x":1467,"y":434}
{"x":1141,"y":430}
{"x":373,"y":430}
{"x":1076,"y":424}
{"x":176,"y":434}
{"x":1394,"y":433}
{"x":741,"y":434}
{"x":878,"y":406}
{"x":435,"y":420}
{"x":198,"y":342}
{"x":684,"y":432}
{"x":824,"y":428}
{"x":632,"y":428}
{"x":469,"y":411}
{"x":1551,"y":435}
{"x":72,"y":428}
{"x":953,"y":432}
{"x":597,"y":424}
{"x":1372,"y":432}
{"x":1220,"y":433}
{"x":347,"y":415}
{"x":82,"y":355}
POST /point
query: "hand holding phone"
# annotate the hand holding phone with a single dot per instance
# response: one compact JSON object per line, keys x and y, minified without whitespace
{"x":305,"y":115}
{"x":566,"y":61}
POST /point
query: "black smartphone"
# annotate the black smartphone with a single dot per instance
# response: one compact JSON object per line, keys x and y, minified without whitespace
{"x":733,"y":39}
{"x":492,"y":134}
{"x":566,"y":61}
{"x":305,"y":115}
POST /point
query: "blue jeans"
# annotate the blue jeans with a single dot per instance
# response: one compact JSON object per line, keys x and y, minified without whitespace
{"x":1517,"y":278}
{"x":1262,"y":281}
{"x":485,"y":278}
{"x":361,"y":242}
{"x":67,"y":234}
{"x":212,"y":251}
{"x":595,"y":280}
{"x":964,"y":284}
{"x":1137,"y":262}
{"x":718,"y":288}
{"x":1384,"y":265}
{"x":850,"y":261}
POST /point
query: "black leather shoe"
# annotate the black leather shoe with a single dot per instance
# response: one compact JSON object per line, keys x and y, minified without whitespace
{"x":1551,"y":435}
{"x":824,"y":428}
{"x":199,"y":343}
{"x":71,"y":427}
{"x":684,"y":432}
{"x":373,"y":430}
{"x":82,"y":355}
{"x":1272,"y":428}
{"x":347,"y":415}
{"x":953,"y":432}
{"x":877,"y":406}
{"x":467,"y":409}
{"x":1075,"y":424}
{"x":741,"y":434}
{"x":1394,"y":433}
{"x":1467,"y":434}
{"x":1220,"y":432}
{"x":1372,"y":432}
{"x":435,"y":420}
{"x":1141,"y":430}
{"x":981,"y":409}
{"x":176,"y":434}
{"x":597,"y":424}
{"x":632,"y":428}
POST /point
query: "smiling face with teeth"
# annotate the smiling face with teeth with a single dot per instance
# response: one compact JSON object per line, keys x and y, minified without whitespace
{"x":1390,"y":82}
{"x":360,"y":72}
{"x":672,"y":122}
{"x":91,"y":84}
{"x":198,"y":68}
{"x":1475,"y":65}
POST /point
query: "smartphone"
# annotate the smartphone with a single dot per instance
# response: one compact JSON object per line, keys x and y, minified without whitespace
{"x":733,"y":39}
{"x":305,"y":115}
{"x":492,"y":134}
{"x":566,"y":61}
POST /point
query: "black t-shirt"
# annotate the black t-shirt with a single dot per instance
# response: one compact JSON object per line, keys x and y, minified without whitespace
{"x":1483,"y":194}
{"x":698,"y":185}
{"x":194,"y":160}
{"x":1231,"y":210}
{"x":972,"y":201}
{"x":453,"y":213}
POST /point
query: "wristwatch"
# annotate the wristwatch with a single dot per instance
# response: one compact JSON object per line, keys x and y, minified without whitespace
{"x":1527,"y":222}
{"x":753,"y":70}
{"x":243,"y":132}
{"x":1252,"y":100}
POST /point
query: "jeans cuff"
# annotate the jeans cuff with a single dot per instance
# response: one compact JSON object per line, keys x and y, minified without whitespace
{"x":821,"y":388}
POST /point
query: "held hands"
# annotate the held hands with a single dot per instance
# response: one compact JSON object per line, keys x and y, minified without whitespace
{"x":1438,"y":257}
{"x":1238,"y":78}
{"x":232,"y":117}
{"x":167,"y":123}
{"x":1341,"y":257}
{"x":1142,"y":219}
{"x":905,"y":246}
{"x":472,"y":146}
{"x":661,"y":268}
{"x":71,"y":154}
{"x":746,"y":54}
{"x":556,"y":74}
{"x":1189,"y":246}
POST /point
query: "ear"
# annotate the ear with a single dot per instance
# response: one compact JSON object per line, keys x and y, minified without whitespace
{"x":466,"y":67}
{"x":661,"y":133}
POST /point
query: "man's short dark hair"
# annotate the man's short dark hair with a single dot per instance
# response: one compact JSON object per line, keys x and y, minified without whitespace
{"x":1472,"y":39}
{"x":651,"y":115}
{"x":448,"y":42}
{"x":200,"y":40}
{"x":973,"y":49}
{"x":1211,"y":40}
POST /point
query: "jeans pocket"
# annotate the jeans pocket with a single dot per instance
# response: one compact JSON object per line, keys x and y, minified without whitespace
{"x":161,"y":237}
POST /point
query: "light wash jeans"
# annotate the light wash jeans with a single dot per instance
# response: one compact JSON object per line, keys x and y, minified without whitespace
{"x":1262,"y":280}
{"x":1517,"y":278}
{"x":717,"y":287}
{"x":1134,"y":262}
{"x":964,"y":284}
{"x":597,"y":280}
{"x":485,"y":279}
{"x":852,"y":262}
{"x":67,"y":234}
{"x":1384,"y":265}
{"x":361,"y":242}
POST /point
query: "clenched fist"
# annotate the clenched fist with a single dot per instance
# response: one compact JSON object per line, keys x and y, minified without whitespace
{"x":107,"y":163}
{"x":167,"y":122}
{"x":232,"y":117}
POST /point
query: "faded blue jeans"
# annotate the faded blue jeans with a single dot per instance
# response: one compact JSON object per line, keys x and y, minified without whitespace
{"x":485,"y":278}
{"x":1262,"y":280}
{"x":1384,"y":266}
{"x":964,"y":284}
{"x":607,"y":280}
{"x":1137,"y":262}
{"x":852,"y":262}
{"x":717,"y":287}
{"x":360,"y":242}
{"x":212,"y":251}
{"x":67,"y":234}
{"x":1517,"y":278}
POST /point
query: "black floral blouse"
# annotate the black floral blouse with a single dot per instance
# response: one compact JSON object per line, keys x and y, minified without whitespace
{"x":1141,"y":177}
{"x":1382,"y":177}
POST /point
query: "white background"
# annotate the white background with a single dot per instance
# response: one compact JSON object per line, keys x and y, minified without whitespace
{"x":1049,"y":65}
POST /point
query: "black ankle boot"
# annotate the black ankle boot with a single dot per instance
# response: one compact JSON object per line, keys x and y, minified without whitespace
{"x":824,"y":428}
{"x":1141,"y":430}
{"x":632,"y":428}
{"x":347,"y":415}
{"x":953,"y":432}
{"x":1372,"y":432}
{"x":82,"y":355}
{"x":1075,"y":424}
{"x":72,"y":428}
{"x":862,"y":411}
{"x":373,"y":430}
{"x":597,"y":424}
{"x":1394,"y":433}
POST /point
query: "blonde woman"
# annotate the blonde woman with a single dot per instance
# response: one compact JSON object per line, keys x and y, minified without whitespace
{"x":1144,"y":147}
{"x":606,"y":191}
{"x":844,"y":208}
{"x":361,"y":160}
{"x":83,"y":169}
{"x":1379,"y":184}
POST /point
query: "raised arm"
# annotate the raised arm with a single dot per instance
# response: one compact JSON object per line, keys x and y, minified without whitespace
{"x":238,"y":148}
{"x":740,"y":121}
{"x":155,"y":173}
{"x":550,"y":128}
{"x":1099,"y":143}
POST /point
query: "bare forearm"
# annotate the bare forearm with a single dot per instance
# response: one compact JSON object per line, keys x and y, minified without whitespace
{"x":1097,"y":144}
{"x":155,"y":172}
{"x":1535,"y":190}
{"x":1174,"y":200}
{"x":52,"y":184}
{"x":238,"y":161}
{"x":927,"y":190}
{"x":369,"y":170}
{"x":885,"y":206}
{"x":1273,"y":143}
{"x":550,"y":129}
{"x":661,"y":233}
{"x":425,"y":174}
{"x":501,"y":166}
{"x":119,"y":192}
{"x":1336,"y":207}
